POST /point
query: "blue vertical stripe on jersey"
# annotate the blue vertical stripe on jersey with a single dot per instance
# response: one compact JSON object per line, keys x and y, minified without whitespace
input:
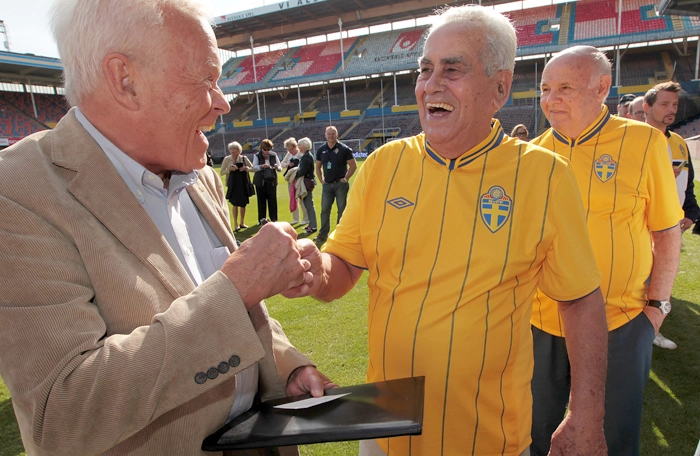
{"x":381,"y":225}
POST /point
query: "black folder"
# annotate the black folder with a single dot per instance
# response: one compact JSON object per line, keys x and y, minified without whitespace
{"x":372,"y":410}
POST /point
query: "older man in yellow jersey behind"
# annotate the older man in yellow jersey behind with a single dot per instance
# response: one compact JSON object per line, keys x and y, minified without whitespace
{"x":624,"y":174}
{"x":457,"y":227}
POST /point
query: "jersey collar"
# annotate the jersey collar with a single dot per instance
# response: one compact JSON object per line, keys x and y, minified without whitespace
{"x":590,"y":132}
{"x":492,"y":141}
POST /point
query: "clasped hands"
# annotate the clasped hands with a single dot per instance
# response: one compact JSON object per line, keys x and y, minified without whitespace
{"x":272,"y":262}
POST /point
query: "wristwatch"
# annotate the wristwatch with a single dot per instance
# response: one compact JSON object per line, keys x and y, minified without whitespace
{"x":663,"y":306}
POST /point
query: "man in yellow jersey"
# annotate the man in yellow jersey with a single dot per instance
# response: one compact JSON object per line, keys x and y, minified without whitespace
{"x":660,"y":106}
{"x":623,"y":171}
{"x":457,"y":227}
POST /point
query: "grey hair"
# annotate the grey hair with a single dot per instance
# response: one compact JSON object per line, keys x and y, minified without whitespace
{"x":305,"y":143}
{"x":289,"y":141}
{"x":501,"y":42}
{"x":235,"y":145}
{"x":87,"y":30}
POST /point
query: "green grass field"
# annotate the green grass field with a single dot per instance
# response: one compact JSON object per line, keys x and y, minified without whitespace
{"x":335,"y":337}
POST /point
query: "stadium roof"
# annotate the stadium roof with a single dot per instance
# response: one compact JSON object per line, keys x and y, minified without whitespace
{"x":295,"y":19}
{"x":29,"y":68}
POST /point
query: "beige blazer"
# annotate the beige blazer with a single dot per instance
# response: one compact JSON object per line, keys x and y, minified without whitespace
{"x":102,"y":332}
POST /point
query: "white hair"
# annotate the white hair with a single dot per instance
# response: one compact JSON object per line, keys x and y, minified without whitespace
{"x":87,"y":30}
{"x":235,"y":145}
{"x":305,"y":143}
{"x":289,"y":141}
{"x":501,"y":43}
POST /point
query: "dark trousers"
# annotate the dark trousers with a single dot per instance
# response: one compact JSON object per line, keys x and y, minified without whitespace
{"x":267,"y":199}
{"x":629,"y":363}
{"x":333,"y":191}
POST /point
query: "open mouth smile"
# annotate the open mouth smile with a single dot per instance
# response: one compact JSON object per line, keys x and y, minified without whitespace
{"x":439,"y":109}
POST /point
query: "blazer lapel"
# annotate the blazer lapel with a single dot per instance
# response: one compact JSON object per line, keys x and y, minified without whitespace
{"x":103,"y":192}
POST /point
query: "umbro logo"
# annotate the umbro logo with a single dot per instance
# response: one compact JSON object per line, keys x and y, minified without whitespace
{"x":400,"y":202}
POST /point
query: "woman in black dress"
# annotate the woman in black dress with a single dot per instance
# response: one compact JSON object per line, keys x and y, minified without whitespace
{"x":236,"y":167}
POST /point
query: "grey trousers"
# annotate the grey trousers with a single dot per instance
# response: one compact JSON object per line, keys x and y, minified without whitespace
{"x":629,"y":363}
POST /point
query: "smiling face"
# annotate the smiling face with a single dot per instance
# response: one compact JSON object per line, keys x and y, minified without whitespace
{"x":181,"y":97}
{"x":456,"y":99}
{"x":572,"y":93}
{"x":663,"y":112}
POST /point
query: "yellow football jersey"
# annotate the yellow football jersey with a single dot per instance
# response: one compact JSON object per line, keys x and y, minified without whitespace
{"x":625,"y":178}
{"x":678,"y":151}
{"x":455,"y":251}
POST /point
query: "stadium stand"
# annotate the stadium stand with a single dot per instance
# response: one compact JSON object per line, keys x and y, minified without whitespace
{"x":641,"y":69}
{"x":541,"y":29}
{"x":17,"y":113}
{"x":533,"y":25}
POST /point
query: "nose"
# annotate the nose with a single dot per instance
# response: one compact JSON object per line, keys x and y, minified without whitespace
{"x":218,"y":102}
{"x":434,"y":83}
{"x":548,"y":98}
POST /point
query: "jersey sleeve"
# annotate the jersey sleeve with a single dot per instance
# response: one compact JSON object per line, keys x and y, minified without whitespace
{"x":345,"y":241}
{"x":663,"y":207}
{"x":570,"y":270}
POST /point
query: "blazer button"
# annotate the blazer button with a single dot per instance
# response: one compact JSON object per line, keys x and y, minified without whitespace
{"x":234,"y":361}
{"x":200,"y":377}
{"x":223,"y":367}
{"x":212,"y":373}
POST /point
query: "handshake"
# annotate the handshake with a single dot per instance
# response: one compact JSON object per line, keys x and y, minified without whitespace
{"x":272,"y":262}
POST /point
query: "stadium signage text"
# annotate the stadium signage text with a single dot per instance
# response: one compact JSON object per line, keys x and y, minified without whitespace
{"x":284,"y":5}
{"x":406,"y":55}
{"x":279,"y":6}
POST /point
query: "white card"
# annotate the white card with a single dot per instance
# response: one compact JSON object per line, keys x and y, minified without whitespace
{"x":310,"y":402}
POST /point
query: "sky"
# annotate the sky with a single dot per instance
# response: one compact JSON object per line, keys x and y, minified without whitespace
{"x":27,"y":22}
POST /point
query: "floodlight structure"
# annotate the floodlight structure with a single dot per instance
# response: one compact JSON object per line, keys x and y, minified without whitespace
{"x":5,"y":36}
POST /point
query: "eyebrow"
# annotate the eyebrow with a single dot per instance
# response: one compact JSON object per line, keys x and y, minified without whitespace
{"x":444,"y":61}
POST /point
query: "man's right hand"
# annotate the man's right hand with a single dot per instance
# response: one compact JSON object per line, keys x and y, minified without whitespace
{"x":267,"y":264}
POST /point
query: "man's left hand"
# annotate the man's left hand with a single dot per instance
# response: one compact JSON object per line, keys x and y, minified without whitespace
{"x":655,"y":316}
{"x":308,"y":379}
{"x":578,"y":438}
{"x":685,"y":224}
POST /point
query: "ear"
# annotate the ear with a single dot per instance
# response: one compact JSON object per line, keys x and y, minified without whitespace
{"x":604,"y":88}
{"x":120,"y":75}
{"x":503,"y":80}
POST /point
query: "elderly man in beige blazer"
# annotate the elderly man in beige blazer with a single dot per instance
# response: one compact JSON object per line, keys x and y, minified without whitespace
{"x":126,"y":327}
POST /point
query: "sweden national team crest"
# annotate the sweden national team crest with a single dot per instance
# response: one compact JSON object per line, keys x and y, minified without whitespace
{"x":495,"y":208}
{"x":605,"y":167}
